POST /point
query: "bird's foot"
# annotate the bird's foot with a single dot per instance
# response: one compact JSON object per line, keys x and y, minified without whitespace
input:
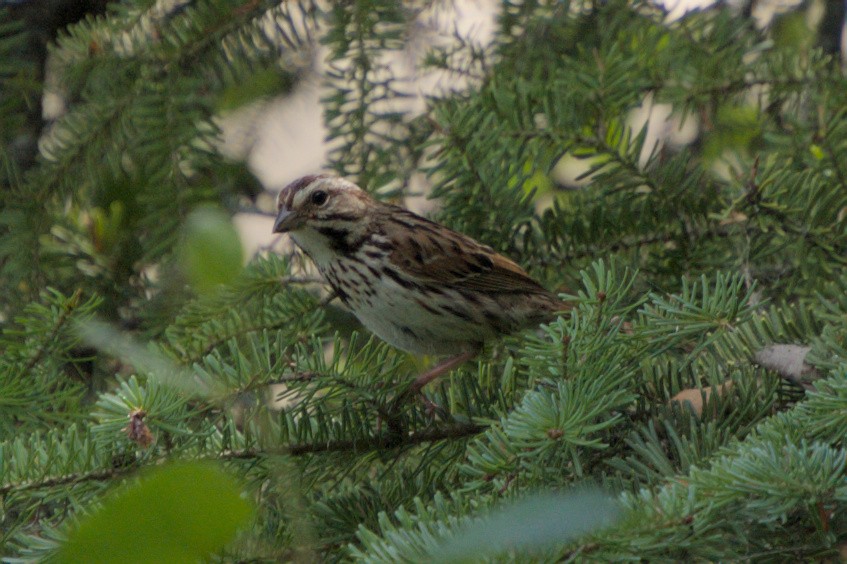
{"x":430,"y":407}
{"x":441,"y":368}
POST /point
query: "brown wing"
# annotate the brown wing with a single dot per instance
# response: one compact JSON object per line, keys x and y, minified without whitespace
{"x":433,"y":253}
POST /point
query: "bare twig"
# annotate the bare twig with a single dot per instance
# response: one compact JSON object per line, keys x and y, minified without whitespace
{"x":67,"y":479}
{"x":301,"y":280}
{"x":388,"y":441}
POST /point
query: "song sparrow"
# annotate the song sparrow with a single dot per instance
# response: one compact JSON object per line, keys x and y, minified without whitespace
{"x":417,"y":285}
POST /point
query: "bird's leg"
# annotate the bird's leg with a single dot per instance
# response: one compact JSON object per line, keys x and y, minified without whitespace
{"x":422,"y":380}
{"x":442,"y":367}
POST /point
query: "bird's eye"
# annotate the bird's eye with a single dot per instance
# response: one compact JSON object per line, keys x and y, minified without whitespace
{"x":319,"y":198}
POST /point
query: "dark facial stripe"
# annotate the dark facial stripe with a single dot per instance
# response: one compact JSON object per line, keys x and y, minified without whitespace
{"x":339,"y":217}
{"x":286,"y":196}
{"x":304,"y":181}
{"x":339,"y":240}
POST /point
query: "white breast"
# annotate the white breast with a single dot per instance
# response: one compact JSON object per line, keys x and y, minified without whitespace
{"x":315,"y":245}
{"x":404,"y":318}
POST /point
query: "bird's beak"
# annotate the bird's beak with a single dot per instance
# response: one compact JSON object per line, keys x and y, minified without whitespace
{"x":287,"y":220}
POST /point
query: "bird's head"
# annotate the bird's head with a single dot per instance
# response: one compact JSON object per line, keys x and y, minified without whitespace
{"x":328,"y":217}
{"x":319,"y":201}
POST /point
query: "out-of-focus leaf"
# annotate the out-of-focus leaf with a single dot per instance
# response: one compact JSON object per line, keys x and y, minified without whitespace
{"x":532,"y":524}
{"x":270,"y":82}
{"x":179,"y":513}
{"x":145,"y":360}
{"x":792,"y":32}
{"x":211,"y":251}
{"x":737,"y":129}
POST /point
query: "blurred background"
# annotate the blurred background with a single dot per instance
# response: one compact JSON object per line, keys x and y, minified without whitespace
{"x":275,"y":125}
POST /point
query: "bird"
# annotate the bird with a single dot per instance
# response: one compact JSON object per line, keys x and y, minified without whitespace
{"x":414,"y":283}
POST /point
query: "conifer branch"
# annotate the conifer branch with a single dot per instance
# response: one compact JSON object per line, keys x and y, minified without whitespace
{"x":100,"y":475}
{"x":708,"y":261}
{"x":67,"y":310}
{"x":456,"y":431}
{"x":390,"y":441}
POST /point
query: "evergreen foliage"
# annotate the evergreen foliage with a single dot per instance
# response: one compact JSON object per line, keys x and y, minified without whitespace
{"x":683,"y":263}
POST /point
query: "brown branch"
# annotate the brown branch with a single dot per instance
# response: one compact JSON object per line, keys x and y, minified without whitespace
{"x":66,"y":479}
{"x":356,"y":446}
{"x":102,"y":475}
{"x":301,"y":280}
{"x":307,"y":376}
{"x":388,"y":441}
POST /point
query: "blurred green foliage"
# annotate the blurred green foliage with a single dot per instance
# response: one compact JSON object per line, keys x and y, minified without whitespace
{"x":182,"y":512}
{"x":211,"y":252}
{"x":136,"y":345}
